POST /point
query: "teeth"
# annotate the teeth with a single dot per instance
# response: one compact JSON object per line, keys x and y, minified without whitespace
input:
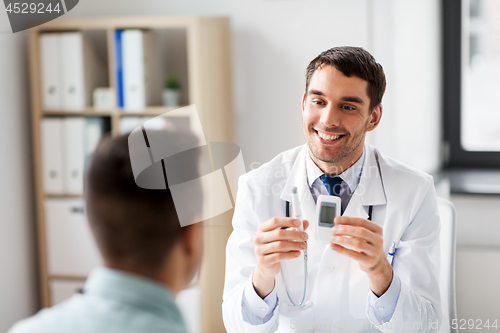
{"x":328,"y":137}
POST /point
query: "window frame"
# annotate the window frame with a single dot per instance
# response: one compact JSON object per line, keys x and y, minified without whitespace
{"x":454,"y":154}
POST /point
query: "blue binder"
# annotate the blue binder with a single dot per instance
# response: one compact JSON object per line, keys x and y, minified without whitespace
{"x":119,"y":67}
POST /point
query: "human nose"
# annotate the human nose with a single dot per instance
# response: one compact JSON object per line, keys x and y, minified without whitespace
{"x":330,"y":117}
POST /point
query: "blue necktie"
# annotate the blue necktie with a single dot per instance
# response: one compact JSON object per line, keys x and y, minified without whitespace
{"x":333,"y":185}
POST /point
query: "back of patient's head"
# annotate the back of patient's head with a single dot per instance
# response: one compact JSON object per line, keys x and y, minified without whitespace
{"x":134,"y":228}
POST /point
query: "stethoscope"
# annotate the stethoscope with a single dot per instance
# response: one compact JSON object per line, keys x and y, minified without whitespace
{"x":301,"y":304}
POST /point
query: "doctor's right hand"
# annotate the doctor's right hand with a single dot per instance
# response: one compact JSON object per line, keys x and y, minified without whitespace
{"x":274,"y":245}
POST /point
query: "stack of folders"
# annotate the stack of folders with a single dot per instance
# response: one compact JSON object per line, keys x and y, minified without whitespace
{"x":70,"y":70}
{"x":137,"y":69}
{"x":67,"y":145}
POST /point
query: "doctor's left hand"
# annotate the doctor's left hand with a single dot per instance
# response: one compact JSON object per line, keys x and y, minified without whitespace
{"x":365,"y":245}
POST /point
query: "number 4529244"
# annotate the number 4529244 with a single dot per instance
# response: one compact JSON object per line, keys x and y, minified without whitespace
{"x":32,"y":8}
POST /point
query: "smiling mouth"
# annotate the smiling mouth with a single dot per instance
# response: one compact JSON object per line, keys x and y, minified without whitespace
{"x":328,"y":137}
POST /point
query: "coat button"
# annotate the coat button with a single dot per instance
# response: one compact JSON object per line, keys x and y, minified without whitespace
{"x":381,"y":308}
{"x":284,"y":304}
{"x":263,"y":309}
{"x":329,"y":267}
{"x":309,"y":303}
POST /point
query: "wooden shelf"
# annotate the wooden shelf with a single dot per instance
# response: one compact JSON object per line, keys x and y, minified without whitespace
{"x":149,"y":111}
{"x":122,"y":22}
{"x":199,"y":53}
{"x":64,"y":196}
{"x":86,"y":112}
{"x":68,"y":277}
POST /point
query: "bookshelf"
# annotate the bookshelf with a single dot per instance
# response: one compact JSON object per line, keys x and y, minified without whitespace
{"x":197,"y":50}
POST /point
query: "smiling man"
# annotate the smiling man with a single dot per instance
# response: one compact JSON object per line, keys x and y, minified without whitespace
{"x":282,"y":279}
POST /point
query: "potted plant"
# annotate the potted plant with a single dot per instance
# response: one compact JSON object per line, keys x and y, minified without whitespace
{"x":171,"y":92}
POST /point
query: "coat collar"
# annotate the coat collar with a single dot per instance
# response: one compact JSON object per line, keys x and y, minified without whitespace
{"x":371,"y":187}
{"x":297,"y":178}
{"x":370,"y":190}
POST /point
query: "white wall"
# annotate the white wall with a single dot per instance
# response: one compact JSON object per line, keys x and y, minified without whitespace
{"x":406,"y":41}
{"x":18,"y":286}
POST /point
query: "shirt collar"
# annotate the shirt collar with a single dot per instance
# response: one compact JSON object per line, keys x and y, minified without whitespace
{"x":351,"y":176}
{"x":132,"y":289}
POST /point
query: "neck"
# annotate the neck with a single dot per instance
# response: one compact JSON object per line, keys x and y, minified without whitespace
{"x":170,"y":274}
{"x":337,"y":168}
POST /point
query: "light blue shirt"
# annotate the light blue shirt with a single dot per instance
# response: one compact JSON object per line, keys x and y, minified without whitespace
{"x":256,"y":310}
{"x":113,"y":302}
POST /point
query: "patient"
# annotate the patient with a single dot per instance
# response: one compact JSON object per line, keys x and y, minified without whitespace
{"x":148,"y":257}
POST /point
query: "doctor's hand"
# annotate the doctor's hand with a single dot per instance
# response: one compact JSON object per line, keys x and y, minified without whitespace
{"x":365,"y":245}
{"x":272,"y":246}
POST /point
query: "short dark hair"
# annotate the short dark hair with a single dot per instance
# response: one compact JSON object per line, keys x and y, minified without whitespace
{"x":131,"y":224}
{"x":353,"y":61}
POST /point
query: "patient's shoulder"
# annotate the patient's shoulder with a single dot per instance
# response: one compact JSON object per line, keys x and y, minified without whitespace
{"x":94,"y":314}
{"x":46,"y":320}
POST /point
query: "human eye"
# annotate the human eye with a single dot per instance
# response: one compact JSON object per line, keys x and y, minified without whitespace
{"x":318,"y":101}
{"x":348,"y":107}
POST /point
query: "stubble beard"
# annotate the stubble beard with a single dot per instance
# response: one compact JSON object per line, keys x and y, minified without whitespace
{"x":343,"y":155}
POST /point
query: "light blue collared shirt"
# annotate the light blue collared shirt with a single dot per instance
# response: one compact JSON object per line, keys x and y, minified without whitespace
{"x":350,"y":179}
{"x":113,"y":302}
{"x":257,"y":311}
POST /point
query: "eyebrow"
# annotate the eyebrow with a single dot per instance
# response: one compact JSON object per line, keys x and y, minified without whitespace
{"x":316,"y":92}
{"x":352,"y":99}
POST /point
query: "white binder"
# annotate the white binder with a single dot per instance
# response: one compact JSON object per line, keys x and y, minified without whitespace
{"x":70,"y":247}
{"x":94,"y":130}
{"x":74,"y":154}
{"x":81,"y":71}
{"x":141,"y":77}
{"x":49,"y":65}
{"x":72,"y":78}
{"x":52,"y":155}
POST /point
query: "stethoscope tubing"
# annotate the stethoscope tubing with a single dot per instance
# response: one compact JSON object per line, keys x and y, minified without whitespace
{"x":287,"y":209}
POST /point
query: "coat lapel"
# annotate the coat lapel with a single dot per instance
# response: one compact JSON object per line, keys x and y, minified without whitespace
{"x":370,"y":191}
{"x":298,"y":178}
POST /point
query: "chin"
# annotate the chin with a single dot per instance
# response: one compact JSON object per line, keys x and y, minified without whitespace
{"x":328,"y":154}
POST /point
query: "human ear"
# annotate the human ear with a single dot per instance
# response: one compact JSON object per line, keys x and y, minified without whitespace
{"x":375,"y":117}
{"x":193,"y":243}
{"x":303,"y":100}
{"x":193,"y":239}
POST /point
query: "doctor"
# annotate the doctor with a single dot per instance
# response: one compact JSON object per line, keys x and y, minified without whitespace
{"x":350,"y":285}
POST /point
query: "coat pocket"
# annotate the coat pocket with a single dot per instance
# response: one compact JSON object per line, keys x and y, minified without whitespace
{"x":358,"y":291}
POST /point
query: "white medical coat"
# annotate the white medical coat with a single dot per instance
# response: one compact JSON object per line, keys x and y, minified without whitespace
{"x":404,"y":204}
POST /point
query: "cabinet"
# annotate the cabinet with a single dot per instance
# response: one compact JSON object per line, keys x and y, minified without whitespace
{"x":197,"y":51}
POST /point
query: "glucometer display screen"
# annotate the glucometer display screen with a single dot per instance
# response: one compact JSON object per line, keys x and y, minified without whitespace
{"x":327,"y":214}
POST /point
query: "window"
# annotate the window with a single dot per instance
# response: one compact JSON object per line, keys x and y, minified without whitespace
{"x":471,"y":31}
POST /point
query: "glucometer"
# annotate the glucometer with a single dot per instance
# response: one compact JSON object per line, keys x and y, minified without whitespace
{"x":327,"y":208}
